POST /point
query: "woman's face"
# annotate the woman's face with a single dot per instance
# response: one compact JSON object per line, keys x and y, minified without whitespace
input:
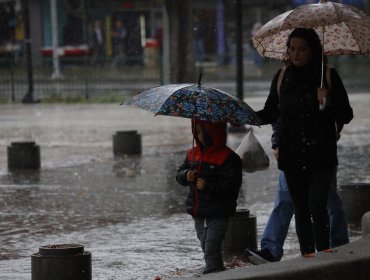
{"x":299,"y":51}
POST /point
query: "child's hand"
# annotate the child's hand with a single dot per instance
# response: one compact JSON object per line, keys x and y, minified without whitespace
{"x":276,"y":153}
{"x":191,"y":175}
{"x":201,"y":184}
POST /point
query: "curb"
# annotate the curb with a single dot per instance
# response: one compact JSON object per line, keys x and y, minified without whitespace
{"x":350,"y":261}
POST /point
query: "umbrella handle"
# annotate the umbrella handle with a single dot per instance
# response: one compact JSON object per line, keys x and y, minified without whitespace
{"x":323,"y":105}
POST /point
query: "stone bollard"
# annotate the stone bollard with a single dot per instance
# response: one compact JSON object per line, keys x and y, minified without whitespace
{"x":238,"y":129}
{"x":356,"y":197}
{"x":126,"y":143}
{"x":23,"y":155}
{"x":365,"y":224}
{"x":61,"y":262}
{"x":241,"y":233}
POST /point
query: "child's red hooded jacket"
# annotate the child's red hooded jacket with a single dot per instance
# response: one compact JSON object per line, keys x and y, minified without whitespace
{"x":219,"y":166}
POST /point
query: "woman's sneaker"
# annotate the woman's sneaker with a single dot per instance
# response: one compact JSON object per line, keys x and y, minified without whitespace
{"x":259,"y":257}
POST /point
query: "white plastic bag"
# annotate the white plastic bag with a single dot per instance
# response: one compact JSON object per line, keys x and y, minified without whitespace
{"x":253,"y":156}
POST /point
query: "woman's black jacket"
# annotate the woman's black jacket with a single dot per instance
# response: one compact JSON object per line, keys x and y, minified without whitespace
{"x":308,"y":136}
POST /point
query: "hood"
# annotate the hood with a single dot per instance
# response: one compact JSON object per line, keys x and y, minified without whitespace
{"x":216,"y":134}
{"x":217,"y":151}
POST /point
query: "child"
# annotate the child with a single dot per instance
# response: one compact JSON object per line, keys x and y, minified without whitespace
{"x":213,"y":173}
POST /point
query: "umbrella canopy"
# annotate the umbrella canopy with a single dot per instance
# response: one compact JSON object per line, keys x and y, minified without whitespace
{"x":357,"y":3}
{"x":343,"y":29}
{"x":195,"y":101}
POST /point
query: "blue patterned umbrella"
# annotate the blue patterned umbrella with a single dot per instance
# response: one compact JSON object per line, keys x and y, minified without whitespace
{"x":195,"y":101}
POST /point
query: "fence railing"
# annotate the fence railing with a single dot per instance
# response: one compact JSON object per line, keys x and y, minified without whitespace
{"x":81,"y":78}
{"x":107,"y":79}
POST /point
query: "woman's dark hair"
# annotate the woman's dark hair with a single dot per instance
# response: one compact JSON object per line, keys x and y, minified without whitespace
{"x":312,"y":40}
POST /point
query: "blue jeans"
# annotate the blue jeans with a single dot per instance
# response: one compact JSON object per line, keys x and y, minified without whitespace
{"x":278,"y":224}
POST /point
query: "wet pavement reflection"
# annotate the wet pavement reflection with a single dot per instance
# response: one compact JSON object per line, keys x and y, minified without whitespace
{"x":129,"y":213}
{"x":136,"y":198}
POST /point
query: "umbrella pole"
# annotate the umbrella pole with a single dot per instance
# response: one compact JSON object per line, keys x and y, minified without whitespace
{"x":199,"y":79}
{"x":322,"y":56}
{"x":323,"y":105}
{"x":322,"y":71}
{"x":192,"y":150}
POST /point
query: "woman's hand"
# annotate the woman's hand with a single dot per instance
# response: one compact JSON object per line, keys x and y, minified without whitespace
{"x":322,"y":93}
{"x":276,"y":153}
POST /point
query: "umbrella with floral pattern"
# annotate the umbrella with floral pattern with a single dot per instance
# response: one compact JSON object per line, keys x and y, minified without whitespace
{"x":195,"y":101}
{"x":343,"y":29}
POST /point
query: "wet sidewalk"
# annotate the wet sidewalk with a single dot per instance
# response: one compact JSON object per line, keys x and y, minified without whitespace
{"x":128,"y":213}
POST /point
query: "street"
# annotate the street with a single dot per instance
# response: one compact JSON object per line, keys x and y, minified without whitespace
{"x":128,"y":213}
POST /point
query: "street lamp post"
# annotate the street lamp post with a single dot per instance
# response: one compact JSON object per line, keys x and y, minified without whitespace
{"x":239,"y":60}
{"x":28,"y":97}
{"x":54,"y":31}
{"x":239,"y":50}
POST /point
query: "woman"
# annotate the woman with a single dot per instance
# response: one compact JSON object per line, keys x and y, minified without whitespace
{"x":307,"y":151}
{"x":213,"y":174}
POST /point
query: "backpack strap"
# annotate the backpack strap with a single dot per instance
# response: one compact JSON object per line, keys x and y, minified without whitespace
{"x":282,"y":72}
{"x":280,"y":79}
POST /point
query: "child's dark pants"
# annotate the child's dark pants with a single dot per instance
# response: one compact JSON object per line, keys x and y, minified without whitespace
{"x":211,"y":233}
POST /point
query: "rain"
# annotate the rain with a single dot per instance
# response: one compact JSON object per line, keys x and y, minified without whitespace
{"x":129,"y":211}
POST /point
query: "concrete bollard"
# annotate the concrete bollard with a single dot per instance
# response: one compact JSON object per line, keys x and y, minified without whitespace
{"x":356,"y":197}
{"x":61,"y":262}
{"x":126,"y":143}
{"x":241,"y":233}
{"x":23,"y":155}
{"x":238,"y":129}
{"x":365,"y":224}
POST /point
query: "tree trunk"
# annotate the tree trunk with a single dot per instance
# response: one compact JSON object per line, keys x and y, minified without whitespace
{"x":182,"y":62}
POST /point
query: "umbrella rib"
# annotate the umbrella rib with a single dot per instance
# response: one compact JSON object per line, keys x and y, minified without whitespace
{"x":354,"y":38}
{"x":280,"y":30}
{"x":349,"y":28}
{"x":269,"y":43}
{"x":195,"y":103}
{"x":157,"y":111}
